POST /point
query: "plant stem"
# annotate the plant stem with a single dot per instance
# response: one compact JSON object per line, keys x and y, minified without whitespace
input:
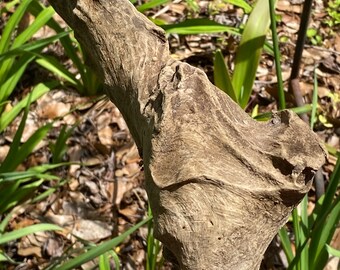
{"x":294,"y":86}
{"x":282,"y":102}
{"x":305,"y":16}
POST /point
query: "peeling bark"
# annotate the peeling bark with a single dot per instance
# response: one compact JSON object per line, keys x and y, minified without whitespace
{"x":220,"y":184}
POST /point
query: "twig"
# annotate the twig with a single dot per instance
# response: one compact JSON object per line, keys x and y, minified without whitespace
{"x":294,"y":86}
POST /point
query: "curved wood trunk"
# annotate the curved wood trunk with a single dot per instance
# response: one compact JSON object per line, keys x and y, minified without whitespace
{"x":220,"y":184}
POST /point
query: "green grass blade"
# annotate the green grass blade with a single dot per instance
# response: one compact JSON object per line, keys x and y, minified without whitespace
{"x":7,"y":117}
{"x":10,"y":236}
{"x":20,"y":194}
{"x":8,"y":6}
{"x":153,"y":246}
{"x":17,"y":155}
{"x":333,"y":185}
{"x":101,"y":249}
{"x":25,"y":176}
{"x":333,"y":251}
{"x":325,"y":237}
{"x":286,"y":245}
{"x":32,"y":46}
{"x":221,"y":75}
{"x":242,"y":4}
{"x":115,"y":259}
{"x":5,"y":222}
{"x":325,"y":202}
{"x":6,"y":258}
{"x":268,"y":48}
{"x":277,"y":55}
{"x":298,"y":110}
{"x":199,"y":26}
{"x":9,"y":83}
{"x":37,"y":24}
{"x":58,"y":69}
{"x":249,"y":51}
{"x":297,"y":233}
{"x":323,"y":216}
{"x":3,"y":258}
{"x":31,"y":143}
{"x":35,"y":8}
{"x":304,"y":109}
{"x":8,"y":192}
{"x":150,"y":242}
{"x":60,"y":147}
{"x":104,"y":262}
{"x":48,"y":192}
{"x":11,"y":24}
{"x":304,"y":233}
{"x":314,"y":101}
{"x":151,"y":4}
{"x":16,"y":140}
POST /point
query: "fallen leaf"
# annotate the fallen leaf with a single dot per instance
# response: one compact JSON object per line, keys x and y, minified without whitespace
{"x":54,"y":109}
{"x":105,"y":135}
{"x":92,"y":230}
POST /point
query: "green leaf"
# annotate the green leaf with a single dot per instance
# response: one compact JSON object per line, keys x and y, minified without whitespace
{"x":298,"y":110}
{"x":10,"y":236}
{"x":5,"y":222}
{"x":48,"y":192}
{"x":10,"y":78}
{"x":60,"y":147}
{"x":7,"y":117}
{"x":38,"y":23}
{"x":199,"y":26}
{"x":277,"y":55}
{"x":32,"y":46}
{"x":221,"y":76}
{"x":249,"y":51}
{"x":5,"y":258}
{"x":34,"y":172}
{"x":311,"y":32}
{"x":315,"y":101}
{"x":322,"y":236}
{"x":18,"y":155}
{"x":303,"y":248}
{"x":11,"y":24}
{"x":242,"y":4}
{"x":286,"y":245}
{"x":16,"y":141}
{"x":101,"y":249}
{"x":151,"y":4}
{"x":35,"y":8}
{"x":324,"y":204}
{"x":9,"y":5}
{"x":324,"y":220}
{"x":333,"y":251}
{"x":16,"y":193}
{"x":115,"y":259}
{"x":58,"y":69}
{"x":104,"y":262}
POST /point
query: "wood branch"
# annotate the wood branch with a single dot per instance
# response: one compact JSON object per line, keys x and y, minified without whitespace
{"x":220,"y":184}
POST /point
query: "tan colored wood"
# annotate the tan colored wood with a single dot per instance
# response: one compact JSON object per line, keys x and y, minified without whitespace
{"x":220,"y":183}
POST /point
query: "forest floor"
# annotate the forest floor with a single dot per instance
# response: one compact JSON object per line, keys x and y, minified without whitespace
{"x":106,"y":196}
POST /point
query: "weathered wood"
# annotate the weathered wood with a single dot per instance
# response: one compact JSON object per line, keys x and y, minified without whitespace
{"x":220,"y":183}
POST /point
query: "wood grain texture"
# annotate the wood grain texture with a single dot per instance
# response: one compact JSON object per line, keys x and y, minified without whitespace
{"x":220,"y":184}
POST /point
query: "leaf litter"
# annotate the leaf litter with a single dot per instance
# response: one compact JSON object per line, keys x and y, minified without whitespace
{"x":104,"y":193}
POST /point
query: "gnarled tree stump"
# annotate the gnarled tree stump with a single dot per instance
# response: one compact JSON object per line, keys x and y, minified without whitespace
{"x":220,"y":184}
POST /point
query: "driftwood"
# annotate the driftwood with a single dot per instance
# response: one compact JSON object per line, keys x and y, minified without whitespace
{"x":220,"y":184}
